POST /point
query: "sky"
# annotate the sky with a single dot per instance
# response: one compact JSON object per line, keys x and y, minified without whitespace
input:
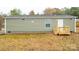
{"x":37,"y":5}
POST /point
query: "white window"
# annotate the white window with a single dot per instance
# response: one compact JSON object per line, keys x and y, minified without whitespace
{"x":60,"y":23}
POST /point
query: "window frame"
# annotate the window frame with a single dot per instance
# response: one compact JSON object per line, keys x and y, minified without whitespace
{"x":47,"y":25}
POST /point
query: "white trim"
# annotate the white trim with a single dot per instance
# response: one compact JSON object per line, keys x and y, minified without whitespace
{"x":5,"y":25}
{"x":75,"y":24}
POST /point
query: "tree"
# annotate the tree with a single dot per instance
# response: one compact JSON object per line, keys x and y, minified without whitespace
{"x":32,"y":13}
{"x":37,"y":14}
{"x":51,"y":11}
{"x":74,"y":11}
{"x":1,"y":22}
{"x":15,"y":12}
{"x":67,"y":11}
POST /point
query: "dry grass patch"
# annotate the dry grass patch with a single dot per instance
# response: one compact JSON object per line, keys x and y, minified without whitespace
{"x":37,"y":42}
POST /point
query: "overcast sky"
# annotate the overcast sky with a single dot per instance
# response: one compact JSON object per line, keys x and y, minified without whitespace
{"x":37,"y":5}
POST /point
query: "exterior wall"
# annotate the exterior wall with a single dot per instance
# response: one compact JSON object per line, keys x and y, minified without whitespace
{"x":70,"y":23}
{"x":29,"y":25}
{"x":35,"y":25}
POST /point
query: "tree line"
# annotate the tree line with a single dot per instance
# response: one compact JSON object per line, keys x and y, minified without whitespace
{"x":74,"y":11}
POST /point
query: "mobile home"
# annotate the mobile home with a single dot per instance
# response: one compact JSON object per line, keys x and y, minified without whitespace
{"x":38,"y":23}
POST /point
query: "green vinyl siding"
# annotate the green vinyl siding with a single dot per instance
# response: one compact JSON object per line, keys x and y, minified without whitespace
{"x":70,"y":23}
{"x":29,"y":25}
{"x":35,"y":24}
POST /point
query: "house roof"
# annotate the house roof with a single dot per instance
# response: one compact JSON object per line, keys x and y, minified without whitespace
{"x":77,"y":20}
{"x":42,"y":16}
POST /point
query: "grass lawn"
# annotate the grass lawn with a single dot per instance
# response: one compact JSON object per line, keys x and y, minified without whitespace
{"x":37,"y":42}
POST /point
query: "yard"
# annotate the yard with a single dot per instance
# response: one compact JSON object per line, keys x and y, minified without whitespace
{"x":37,"y":42}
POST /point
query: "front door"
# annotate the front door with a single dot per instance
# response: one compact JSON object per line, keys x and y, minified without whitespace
{"x":60,"y":22}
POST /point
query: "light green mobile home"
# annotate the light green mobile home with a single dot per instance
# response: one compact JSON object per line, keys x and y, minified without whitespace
{"x":38,"y":23}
